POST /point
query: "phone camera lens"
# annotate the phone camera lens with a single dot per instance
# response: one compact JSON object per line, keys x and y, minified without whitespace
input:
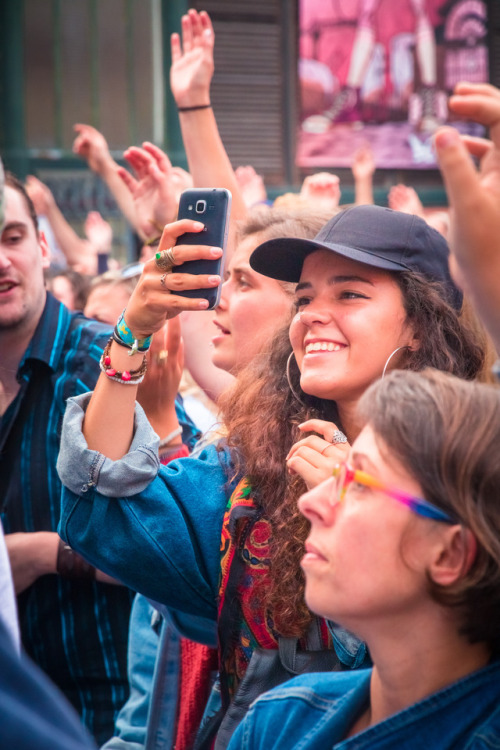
{"x":201,"y":207}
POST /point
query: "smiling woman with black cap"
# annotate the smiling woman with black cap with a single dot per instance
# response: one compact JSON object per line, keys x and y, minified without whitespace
{"x":220,"y":535}
{"x":374,"y":293}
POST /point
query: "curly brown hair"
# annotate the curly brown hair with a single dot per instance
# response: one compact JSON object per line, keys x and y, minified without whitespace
{"x":262,"y":416}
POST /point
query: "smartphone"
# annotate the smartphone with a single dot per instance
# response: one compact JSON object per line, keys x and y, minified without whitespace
{"x":211,"y":206}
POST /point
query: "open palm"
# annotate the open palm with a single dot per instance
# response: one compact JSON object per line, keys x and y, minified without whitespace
{"x":193,"y":62}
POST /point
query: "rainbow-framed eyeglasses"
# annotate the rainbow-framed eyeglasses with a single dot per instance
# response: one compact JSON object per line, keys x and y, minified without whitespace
{"x":344,"y":476}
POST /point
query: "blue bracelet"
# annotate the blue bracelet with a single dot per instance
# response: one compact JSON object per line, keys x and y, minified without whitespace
{"x":127,"y":338}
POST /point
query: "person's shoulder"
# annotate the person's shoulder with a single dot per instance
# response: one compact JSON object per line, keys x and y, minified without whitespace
{"x":79,"y":355}
{"x":84,"y":330}
{"x":303,"y":709}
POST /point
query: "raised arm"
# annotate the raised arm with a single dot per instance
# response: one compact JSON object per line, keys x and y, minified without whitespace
{"x":474,"y":196}
{"x":322,"y":191}
{"x":363,"y":169}
{"x":91,"y":145}
{"x":108,"y":425}
{"x":75,"y":249}
{"x":155,"y":188}
{"x":190,"y":78}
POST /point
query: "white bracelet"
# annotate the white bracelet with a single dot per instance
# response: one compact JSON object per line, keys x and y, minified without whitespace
{"x":168,"y":439}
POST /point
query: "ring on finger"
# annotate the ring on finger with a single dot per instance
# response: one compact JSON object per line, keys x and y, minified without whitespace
{"x":161,"y":356}
{"x":162,"y":281}
{"x":165,"y":259}
{"x":338,"y":437}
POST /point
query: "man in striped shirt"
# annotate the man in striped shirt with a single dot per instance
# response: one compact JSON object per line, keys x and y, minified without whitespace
{"x":74,"y":622}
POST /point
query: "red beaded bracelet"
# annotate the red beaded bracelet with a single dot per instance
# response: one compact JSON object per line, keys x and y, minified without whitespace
{"x":132,"y":377}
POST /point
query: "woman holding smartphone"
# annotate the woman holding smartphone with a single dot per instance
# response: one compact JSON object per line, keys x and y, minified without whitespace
{"x":221,"y":532}
{"x":404,"y":551}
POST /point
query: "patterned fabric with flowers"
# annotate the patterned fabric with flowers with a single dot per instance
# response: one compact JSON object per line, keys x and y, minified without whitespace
{"x":243,"y":623}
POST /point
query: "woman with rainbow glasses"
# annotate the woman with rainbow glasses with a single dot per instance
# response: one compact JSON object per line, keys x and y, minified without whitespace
{"x":403,"y":551}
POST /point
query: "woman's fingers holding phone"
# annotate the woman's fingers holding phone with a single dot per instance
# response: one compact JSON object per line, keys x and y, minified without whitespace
{"x":180,"y":282}
{"x":152,"y":302}
{"x":175,"y":229}
{"x":155,"y":298}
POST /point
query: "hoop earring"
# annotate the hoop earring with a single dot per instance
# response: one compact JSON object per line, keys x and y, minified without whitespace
{"x":392,"y":355}
{"x":290,"y":385}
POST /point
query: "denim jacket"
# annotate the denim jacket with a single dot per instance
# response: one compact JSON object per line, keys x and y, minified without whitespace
{"x":316,"y":711}
{"x":156,"y":528}
{"x":147,"y":720}
{"x":129,"y":497}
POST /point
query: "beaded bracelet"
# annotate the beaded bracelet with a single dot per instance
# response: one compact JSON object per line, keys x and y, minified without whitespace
{"x":127,"y":338}
{"x":127,"y":377}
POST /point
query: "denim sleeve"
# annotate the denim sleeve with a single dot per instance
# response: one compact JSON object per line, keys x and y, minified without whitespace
{"x":156,"y":531}
{"x":81,"y":468}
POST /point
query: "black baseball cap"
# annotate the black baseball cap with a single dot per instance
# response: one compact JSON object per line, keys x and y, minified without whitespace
{"x":373,"y":235}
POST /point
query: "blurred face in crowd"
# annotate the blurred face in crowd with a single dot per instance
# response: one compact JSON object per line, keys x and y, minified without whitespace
{"x":62,"y":290}
{"x":106,"y":302}
{"x":23,"y":256}
{"x":252,"y":308}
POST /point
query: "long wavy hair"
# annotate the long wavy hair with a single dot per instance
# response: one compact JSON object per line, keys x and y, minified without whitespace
{"x":262,"y":415}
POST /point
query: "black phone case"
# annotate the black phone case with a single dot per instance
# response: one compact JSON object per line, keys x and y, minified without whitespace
{"x":212,"y":207}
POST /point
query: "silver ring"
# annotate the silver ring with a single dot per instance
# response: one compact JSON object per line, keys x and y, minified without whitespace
{"x":165,"y":260}
{"x":338,"y":437}
{"x":162,"y":280}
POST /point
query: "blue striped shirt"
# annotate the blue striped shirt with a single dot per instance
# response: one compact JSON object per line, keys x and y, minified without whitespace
{"x":75,"y":630}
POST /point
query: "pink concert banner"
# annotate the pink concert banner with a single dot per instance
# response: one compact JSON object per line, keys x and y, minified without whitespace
{"x":379,"y":73}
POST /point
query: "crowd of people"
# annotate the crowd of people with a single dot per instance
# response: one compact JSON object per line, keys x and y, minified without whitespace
{"x":270,"y":525}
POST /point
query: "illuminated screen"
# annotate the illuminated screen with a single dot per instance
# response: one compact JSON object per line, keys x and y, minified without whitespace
{"x":379,"y":73}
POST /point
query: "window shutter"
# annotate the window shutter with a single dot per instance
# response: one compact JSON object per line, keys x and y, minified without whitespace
{"x":254,"y":86}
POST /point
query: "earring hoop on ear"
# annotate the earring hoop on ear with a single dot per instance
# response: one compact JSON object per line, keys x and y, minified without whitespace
{"x":290,"y":385}
{"x":392,"y":355}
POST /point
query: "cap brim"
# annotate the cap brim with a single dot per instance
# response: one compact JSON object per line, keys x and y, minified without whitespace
{"x":283,"y":258}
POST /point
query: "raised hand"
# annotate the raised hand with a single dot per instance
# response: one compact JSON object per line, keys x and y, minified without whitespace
{"x":181,"y":181}
{"x":154,"y":299}
{"x":193,"y":62}
{"x":251,"y":185}
{"x":315,"y":457}
{"x":322,"y":189}
{"x":40,"y":194}
{"x":92,"y":146}
{"x":474,"y":196}
{"x":363,"y":163}
{"x":154,"y":189}
{"x":99,"y":232}
{"x":405,"y":199}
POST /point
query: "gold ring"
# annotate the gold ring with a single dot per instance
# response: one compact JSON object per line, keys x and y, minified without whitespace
{"x":165,"y":260}
{"x":161,"y":356}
